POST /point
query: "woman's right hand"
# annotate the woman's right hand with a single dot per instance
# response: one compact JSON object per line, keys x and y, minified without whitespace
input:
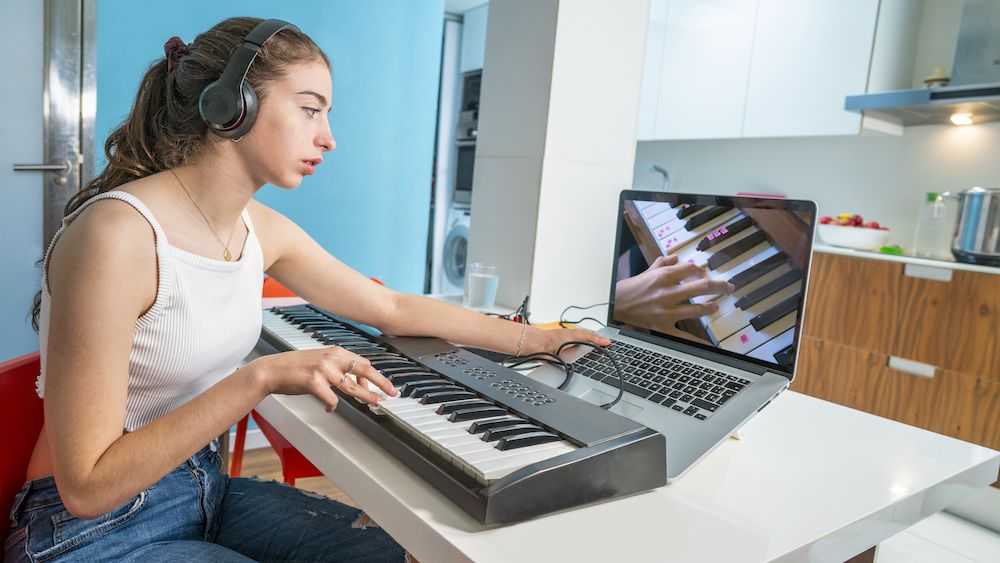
{"x":660,"y":296}
{"x":316,"y":372}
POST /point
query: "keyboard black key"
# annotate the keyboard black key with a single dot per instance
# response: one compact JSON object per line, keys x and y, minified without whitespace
{"x":421,"y":391}
{"x":484,"y":425}
{"x":448,"y":408}
{"x":687,"y":209}
{"x":686,"y":398}
{"x":702,"y":218}
{"x":691,"y":411}
{"x":668,"y":402}
{"x":734,"y":386}
{"x":725,"y":233}
{"x":494,"y":434}
{"x":774,"y":313}
{"x":656,"y":397}
{"x":476,"y":413}
{"x":524,"y":440}
{"x":677,"y":408}
{"x":409,"y":377}
{"x":408,"y":388}
{"x":769,"y":288}
{"x":700,"y":416}
{"x":445,"y":396}
{"x":730,"y":252}
{"x":758,"y":270}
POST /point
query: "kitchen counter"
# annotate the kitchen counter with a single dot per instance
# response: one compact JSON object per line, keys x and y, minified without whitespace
{"x":926,"y":262}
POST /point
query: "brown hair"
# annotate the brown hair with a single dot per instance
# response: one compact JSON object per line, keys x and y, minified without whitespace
{"x":163,"y":129}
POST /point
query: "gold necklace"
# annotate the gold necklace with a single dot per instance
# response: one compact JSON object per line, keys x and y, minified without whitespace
{"x":225,"y":245}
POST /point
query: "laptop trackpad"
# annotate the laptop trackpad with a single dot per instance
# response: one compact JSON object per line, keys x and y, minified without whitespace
{"x":623,"y":407}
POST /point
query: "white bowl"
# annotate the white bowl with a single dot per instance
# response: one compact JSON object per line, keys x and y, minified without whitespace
{"x":860,"y":238}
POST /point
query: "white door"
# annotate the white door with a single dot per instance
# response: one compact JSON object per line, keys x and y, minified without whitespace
{"x":21,"y":24}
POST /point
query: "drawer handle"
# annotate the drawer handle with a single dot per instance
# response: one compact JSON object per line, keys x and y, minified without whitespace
{"x":910,"y":366}
{"x":928,"y":272}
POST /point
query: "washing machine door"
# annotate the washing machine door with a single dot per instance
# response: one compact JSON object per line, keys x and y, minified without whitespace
{"x":456,"y":245}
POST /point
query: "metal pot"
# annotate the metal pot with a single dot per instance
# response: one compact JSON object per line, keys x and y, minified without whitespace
{"x":977,"y":234}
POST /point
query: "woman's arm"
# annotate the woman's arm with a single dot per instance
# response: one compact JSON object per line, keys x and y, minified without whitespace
{"x":103,"y":277}
{"x":300,"y":263}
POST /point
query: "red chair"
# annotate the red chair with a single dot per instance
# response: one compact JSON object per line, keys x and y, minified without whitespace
{"x":21,"y":418}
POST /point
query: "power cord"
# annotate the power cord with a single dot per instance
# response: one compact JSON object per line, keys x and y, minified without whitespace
{"x":520,"y":315}
{"x":610,"y":356}
{"x":562,"y":316}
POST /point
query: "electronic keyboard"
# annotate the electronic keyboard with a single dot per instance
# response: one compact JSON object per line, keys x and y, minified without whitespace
{"x":501,"y":446}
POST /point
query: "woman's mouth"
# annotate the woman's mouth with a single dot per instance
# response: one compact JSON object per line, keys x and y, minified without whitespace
{"x":310,"y":166}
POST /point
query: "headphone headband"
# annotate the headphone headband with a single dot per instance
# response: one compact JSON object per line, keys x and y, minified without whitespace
{"x":229,"y":105}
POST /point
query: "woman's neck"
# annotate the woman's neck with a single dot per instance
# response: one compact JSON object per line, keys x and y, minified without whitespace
{"x":218,"y":191}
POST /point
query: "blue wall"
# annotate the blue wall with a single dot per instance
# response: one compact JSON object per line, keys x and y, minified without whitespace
{"x":368,"y":203}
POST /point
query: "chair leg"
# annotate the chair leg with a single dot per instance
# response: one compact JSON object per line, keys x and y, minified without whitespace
{"x":238,"y":444}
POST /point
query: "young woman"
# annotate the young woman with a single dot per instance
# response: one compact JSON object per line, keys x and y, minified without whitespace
{"x":151,"y":297}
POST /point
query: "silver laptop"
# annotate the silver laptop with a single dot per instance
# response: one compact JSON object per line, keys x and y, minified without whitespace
{"x":698,"y":380}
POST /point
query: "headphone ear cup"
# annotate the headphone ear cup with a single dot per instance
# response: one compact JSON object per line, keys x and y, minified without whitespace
{"x":218,"y":107}
{"x":249,"y":113}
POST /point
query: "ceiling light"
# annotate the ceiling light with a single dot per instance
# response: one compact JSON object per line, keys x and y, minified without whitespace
{"x":961,"y":118}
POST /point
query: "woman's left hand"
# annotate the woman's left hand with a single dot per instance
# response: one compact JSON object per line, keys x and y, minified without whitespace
{"x":550,"y":340}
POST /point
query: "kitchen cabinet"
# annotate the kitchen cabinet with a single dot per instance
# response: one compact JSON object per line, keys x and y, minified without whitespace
{"x":807,"y":57}
{"x":704,"y":64}
{"x":754,"y":68}
{"x":473,"y":38}
{"x":863,"y":311}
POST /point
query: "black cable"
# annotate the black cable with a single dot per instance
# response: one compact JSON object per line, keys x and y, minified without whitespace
{"x":562,"y":316}
{"x":614,"y":362}
{"x":563,"y":323}
{"x":548,"y":358}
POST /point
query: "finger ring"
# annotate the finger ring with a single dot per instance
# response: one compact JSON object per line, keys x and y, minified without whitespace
{"x":350,"y":367}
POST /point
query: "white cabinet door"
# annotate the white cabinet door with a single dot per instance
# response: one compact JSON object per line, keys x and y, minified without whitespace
{"x":474,"y":38}
{"x":649,"y":96}
{"x":706,"y":62}
{"x":807,"y":57}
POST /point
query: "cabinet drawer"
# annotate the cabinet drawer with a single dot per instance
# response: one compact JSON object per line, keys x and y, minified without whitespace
{"x":950,"y":403}
{"x":874,"y":305}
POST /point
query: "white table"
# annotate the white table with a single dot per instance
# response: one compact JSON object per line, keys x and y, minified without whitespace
{"x":809,"y":481}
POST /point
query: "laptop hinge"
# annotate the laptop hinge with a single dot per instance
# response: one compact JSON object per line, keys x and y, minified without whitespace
{"x":734,"y":363}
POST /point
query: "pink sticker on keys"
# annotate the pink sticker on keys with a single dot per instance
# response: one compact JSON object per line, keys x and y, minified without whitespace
{"x":744,"y":338}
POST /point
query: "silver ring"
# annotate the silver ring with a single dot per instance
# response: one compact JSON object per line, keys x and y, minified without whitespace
{"x":350,"y":367}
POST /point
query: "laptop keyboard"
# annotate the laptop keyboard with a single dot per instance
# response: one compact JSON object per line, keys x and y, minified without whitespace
{"x":685,"y":387}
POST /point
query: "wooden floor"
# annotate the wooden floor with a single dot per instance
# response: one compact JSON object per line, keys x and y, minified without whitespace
{"x":264,"y":463}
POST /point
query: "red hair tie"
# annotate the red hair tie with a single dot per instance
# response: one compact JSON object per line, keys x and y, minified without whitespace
{"x":174,"y":50}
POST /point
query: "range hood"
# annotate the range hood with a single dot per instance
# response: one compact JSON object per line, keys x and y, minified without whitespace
{"x":926,"y":106}
{"x":975,"y":83}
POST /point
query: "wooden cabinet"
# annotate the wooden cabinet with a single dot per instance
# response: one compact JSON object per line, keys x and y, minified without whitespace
{"x":861,"y":312}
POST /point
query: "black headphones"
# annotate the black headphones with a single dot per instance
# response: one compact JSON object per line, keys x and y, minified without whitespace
{"x":228,"y":106}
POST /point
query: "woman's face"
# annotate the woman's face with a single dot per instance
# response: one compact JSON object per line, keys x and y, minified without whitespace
{"x":292,"y":130}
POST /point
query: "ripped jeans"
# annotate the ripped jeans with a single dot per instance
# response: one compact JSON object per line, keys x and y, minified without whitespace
{"x":196,"y":513}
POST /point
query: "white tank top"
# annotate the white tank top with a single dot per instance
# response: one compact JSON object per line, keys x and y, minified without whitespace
{"x":205,"y":319}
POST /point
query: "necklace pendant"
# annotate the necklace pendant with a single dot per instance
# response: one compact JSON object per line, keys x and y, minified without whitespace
{"x":227,"y":255}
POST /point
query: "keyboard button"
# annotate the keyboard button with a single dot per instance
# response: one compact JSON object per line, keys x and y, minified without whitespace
{"x":678,"y":408}
{"x":656,"y":397}
{"x":476,"y":413}
{"x":704,"y":404}
{"x":700,"y":416}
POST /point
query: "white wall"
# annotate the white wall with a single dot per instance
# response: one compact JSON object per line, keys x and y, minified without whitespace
{"x":881,"y":178}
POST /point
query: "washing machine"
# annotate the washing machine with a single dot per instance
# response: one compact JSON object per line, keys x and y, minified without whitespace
{"x":456,"y":245}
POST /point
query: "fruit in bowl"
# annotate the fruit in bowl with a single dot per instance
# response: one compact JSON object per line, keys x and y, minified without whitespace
{"x":851,"y":231}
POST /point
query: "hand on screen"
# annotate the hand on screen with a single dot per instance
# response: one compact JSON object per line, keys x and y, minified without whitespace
{"x":660,"y":296}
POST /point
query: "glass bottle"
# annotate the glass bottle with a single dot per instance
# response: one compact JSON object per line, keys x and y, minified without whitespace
{"x":932,"y":238}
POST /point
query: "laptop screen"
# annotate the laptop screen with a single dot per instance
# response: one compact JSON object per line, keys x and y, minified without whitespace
{"x":727,"y":274}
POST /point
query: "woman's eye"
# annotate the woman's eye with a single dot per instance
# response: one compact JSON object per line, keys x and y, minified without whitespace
{"x":311,"y":111}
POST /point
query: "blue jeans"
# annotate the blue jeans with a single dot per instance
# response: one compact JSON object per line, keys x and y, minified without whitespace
{"x":196,"y":513}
